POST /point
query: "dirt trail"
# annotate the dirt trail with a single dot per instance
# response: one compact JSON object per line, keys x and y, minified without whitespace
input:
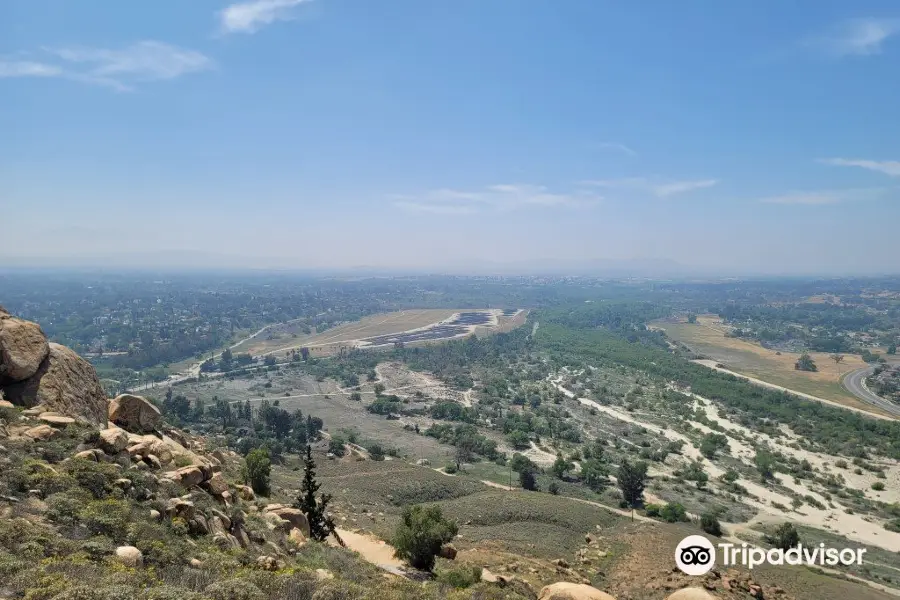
{"x":375,"y":551}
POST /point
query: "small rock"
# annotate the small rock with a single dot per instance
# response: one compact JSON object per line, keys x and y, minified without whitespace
{"x":196,"y":563}
{"x":267,"y":563}
{"x":176,"y":507}
{"x":56,"y":420}
{"x":93,"y":455}
{"x":122,"y":483}
{"x":296,"y":536}
{"x":324,"y":575}
{"x":155,"y":515}
{"x":41,"y":433}
{"x":246,"y":493}
{"x":448,"y":551}
{"x":129,"y":556}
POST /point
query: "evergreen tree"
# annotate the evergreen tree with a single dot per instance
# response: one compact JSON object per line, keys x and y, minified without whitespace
{"x":321,"y":525}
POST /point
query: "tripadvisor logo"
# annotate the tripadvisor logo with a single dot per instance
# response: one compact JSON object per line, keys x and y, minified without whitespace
{"x":696,"y":555}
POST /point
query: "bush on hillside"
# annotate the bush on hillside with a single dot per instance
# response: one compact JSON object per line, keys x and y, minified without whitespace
{"x":420,"y":535}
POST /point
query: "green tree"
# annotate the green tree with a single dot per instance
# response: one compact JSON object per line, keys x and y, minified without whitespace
{"x":712,"y":444}
{"x":520,"y":462}
{"x":518,"y":439}
{"x":805,"y":363}
{"x":527,"y":480}
{"x":561,"y":466}
{"x":379,"y":389}
{"x":785,"y":537}
{"x":594,"y":474}
{"x":257,"y":470}
{"x":336,"y":445}
{"x":321,"y":525}
{"x":892,"y":349}
{"x":691,"y":318}
{"x":765,"y":464}
{"x":710,"y":524}
{"x":421,"y":533}
{"x":226,"y":360}
{"x":631,"y":478}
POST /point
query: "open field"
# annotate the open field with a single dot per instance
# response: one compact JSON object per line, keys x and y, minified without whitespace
{"x":707,"y":337}
{"x":383,"y":330}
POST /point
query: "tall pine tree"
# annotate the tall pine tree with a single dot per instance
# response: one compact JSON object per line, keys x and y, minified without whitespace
{"x":321,"y":525}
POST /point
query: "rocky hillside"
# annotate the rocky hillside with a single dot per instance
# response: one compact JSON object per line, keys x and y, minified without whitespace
{"x":101,"y":500}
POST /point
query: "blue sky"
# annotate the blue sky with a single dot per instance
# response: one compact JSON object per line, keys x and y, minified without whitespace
{"x":736,"y":136}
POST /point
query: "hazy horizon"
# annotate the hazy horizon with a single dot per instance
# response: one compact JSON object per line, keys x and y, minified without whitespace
{"x":332,"y":134}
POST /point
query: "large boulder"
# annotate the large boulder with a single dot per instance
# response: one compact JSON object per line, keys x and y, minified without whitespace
{"x":186,"y":476}
{"x":134,"y":413}
{"x":23,"y":347}
{"x":294,"y":516}
{"x":113,"y":440}
{"x":64,"y":383}
{"x":216,"y":485}
{"x":572,"y":591}
{"x":691,"y":593}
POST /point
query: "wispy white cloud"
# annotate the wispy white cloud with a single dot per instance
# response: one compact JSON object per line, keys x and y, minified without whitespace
{"x":119,"y":69}
{"x":661,"y":189}
{"x":500,"y":197}
{"x":249,"y":17}
{"x":27,"y":68}
{"x":823,"y":197}
{"x":855,"y":37}
{"x":888,"y":167}
{"x":615,"y":146}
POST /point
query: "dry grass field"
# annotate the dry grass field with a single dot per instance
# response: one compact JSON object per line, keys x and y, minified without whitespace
{"x":707,"y":337}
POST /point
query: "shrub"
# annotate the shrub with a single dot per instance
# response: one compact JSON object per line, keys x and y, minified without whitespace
{"x":420,"y":535}
{"x":461,"y":577}
{"x":878,"y":486}
{"x":527,"y":480}
{"x":257,"y":469}
{"x":553,"y":488}
{"x":785,"y":537}
{"x":64,"y":507}
{"x":97,"y":478}
{"x":450,"y":468}
{"x":710,"y":524}
{"x":109,"y":517}
{"x":234,"y":589}
{"x":672,"y":512}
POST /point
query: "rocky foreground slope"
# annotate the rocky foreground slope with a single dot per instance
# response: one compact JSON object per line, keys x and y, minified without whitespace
{"x":99,"y":499}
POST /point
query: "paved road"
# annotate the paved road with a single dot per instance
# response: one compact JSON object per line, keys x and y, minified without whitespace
{"x":854,"y":382}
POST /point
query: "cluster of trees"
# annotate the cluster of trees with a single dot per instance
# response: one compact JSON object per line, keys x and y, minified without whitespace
{"x":467,"y":439}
